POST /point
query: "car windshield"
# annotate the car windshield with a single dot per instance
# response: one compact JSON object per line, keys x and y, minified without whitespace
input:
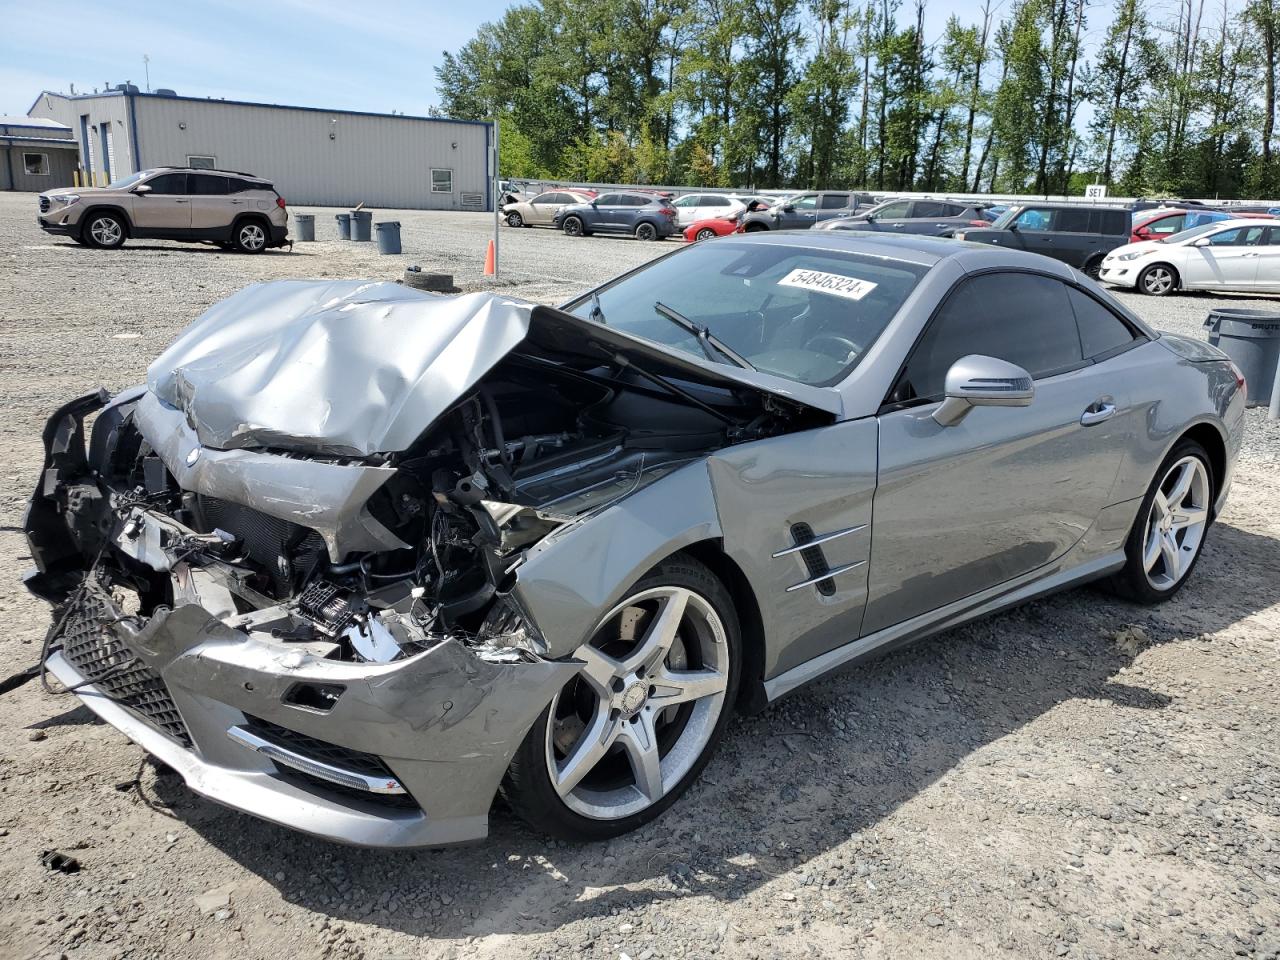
{"x":129,"y":180}
{"x":807,"y":314}
{"x":1191,"y":234}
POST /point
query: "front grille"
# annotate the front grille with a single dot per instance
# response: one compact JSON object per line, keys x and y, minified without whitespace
{"x":44,"y":204}
{"x":90,"y":646}
{"x":344,"y":758}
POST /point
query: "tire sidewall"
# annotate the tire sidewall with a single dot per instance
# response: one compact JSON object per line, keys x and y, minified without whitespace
{"x":235,"y":236}
{"x":515,"y":220}
{"x":535,"y":799}
{"x":1142,"y":281}
{"x":646,"y":231}
{"x":704,"y":234}
{"x":1133,"y":580}
{"x":574,"y":231}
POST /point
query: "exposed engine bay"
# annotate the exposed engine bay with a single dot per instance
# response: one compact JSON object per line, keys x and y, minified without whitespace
{"x":422,"y":542}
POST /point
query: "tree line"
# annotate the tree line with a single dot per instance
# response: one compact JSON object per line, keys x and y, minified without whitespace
{"x":1171,"y":101}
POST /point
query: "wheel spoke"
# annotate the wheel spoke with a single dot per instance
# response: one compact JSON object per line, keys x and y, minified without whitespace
{"x":1151,"y":553}
{"x":590,"y":747}
{"x":658,"y":638}
{"x":683,"y":686}
{"x":1181,"y":486}
{"x":1172,"y":555}
{"x":640,"y":740}
{"x":599,"y":669}
{"x":1192,"y":517}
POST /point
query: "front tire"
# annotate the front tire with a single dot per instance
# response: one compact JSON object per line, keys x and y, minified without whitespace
{"x":514,"y":219}
{"x":1158,"y":280}
{"x":573,"y":227}
{"x":706,"y":233}
{"x":628,"y":735}
{"x":104,"y":231}
{"x":1093,"y":269}
{"x":250,"y":236}
{"x":1168,"y":534}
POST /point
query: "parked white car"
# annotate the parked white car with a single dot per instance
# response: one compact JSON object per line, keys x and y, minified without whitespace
{"x":693,"y":207}
{"x":1228,"y":255}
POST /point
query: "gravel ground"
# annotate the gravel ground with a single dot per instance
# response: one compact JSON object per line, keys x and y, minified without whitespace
{"x":1076,"y":778}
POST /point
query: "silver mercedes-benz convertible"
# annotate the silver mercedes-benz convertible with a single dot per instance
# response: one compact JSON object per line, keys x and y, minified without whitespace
{"x":355,"y":559}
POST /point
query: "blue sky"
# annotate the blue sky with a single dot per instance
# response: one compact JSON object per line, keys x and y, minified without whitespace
{"x":375,"y":55}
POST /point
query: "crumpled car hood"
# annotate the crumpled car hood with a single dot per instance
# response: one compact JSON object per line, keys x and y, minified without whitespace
{"x":354,"y":368}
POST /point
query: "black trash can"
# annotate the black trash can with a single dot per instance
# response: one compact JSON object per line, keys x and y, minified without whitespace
{"x":388,"y":232}
{"x":362,"y":225}
{"x":1252,"y":339}
{"x":344,"y":225}
{"x":305,"y":224}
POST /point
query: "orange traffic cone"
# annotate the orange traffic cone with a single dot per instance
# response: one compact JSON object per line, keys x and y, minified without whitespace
{"x":490,"y":268}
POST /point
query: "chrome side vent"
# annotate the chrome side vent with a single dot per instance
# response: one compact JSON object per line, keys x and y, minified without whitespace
{"x":815,"y":561}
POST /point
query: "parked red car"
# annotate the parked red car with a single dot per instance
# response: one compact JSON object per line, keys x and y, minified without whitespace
{"x":1165,"y":223}
{"x":715,"y":227}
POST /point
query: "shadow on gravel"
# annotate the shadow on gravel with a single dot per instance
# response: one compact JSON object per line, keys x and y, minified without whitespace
{"x":786,"y":785}
{"x":201,"y":248}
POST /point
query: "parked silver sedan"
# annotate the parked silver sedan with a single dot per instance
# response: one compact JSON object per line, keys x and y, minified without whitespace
{"x":540,"y":211}
{"x":356,"y":558}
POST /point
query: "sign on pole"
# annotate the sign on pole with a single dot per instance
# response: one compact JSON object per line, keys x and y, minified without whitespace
{"x":1095,"y":191}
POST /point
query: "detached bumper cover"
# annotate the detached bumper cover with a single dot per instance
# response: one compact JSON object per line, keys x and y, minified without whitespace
{"x":444,"y":724}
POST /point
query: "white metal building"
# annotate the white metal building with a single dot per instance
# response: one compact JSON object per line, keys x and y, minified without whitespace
{"x":313,"y":156}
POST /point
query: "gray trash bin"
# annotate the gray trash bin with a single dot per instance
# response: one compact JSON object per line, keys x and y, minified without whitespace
{"x":361,"y":225}
{"x":388,"y":232}
{"x":1252,"y":339}
{"x":306,"y":225}
{"x":344,"y":225}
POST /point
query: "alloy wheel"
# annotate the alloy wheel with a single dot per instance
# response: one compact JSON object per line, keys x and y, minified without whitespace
{"x":705,"y":234}
{"x":515,"y":220}
{"x":252,"y":237}
{"x":1176,"y":523}
{"x":573,"y":227}
{"x":630,"y":726}
{"x":1157,"y":281}
{"x":646,"y":232}
{"x":106,"y":231}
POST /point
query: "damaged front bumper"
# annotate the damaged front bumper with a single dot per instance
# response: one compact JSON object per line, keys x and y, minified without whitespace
{"x":402,"y":754}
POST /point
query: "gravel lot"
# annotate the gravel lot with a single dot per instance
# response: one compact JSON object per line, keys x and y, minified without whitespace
{"x":1046,"y":783}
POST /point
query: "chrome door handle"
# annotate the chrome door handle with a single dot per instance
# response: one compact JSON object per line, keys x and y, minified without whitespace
{"x":1097,"y":413}
{"x":1249,"y":255}
{"x":182,"y":201}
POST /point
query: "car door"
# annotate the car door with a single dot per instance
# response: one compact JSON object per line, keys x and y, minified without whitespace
{"x":602,"y":212}
{"x":1268,"y":275}
{"x":1226,"y":260}
{"x":929,"y":217}
{"x":211,"y":209}
{"x":543,"y":207}
{"x":1029,"y":230}
{"x":799,"y":212}
{"x":687,"y":208}
{"x":832,"y":205}
{"x":1007,"y":490}
{"x":164,"y":209}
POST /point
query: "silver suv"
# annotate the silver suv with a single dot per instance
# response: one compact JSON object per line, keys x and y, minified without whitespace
{"x":235,"y":210}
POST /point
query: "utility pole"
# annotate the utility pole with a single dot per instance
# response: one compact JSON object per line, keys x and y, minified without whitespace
{"x":146,"y":66}
{"x":497,"y":199}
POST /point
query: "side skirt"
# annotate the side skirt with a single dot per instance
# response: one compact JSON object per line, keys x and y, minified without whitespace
{"x":952,"y":615}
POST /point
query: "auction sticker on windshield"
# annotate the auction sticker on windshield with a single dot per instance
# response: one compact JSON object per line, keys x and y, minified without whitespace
{"x":850,"y":288}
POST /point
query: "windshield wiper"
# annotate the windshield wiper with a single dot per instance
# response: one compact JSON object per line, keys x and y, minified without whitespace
{"x":707,"y":340}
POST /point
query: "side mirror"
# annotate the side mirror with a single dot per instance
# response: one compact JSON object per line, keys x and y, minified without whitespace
{"x":1013,"y":225}
{"x":142,"y":189}
{"x":789,"y":208}
{"x":978,"y":381}
{"x":872,"y":217}
{"x":1200,"y":242}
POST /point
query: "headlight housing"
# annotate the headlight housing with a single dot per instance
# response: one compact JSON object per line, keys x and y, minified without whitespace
{"x":65,"y":198}
{"x":1129,"y":256}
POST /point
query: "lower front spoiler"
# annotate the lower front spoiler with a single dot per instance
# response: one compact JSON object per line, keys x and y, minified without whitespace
{"x":441,"y":726}
{"x":262,"y":794}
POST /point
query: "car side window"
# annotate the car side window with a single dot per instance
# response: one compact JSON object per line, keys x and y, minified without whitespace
{"x":715,"y":201}
{"x":1101,"y":331}
{"x":834,"y":201}
{"x":1071,"y":221}
{"x":1169,"y":225}
{"x":608,"y":200}
{"x":206,"y":185}
{"x":1272,"y":237}
{"x":895,"y":211}
{"x":545,"y":198}
{"x":1022,"y":318}
{"x":1239,"y":237}
{"x":931,"y":208}
{"x":688,"y":200}
{"x":168,"y":184}
{"x":1033,"y":219}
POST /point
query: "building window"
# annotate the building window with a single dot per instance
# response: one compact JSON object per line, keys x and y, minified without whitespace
{"x":202,"y":163}
{"x":36,"y":164}
{"x":441,"y":181}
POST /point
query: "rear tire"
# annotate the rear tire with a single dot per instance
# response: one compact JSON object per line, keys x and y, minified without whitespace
{"x":646,"y":231}
{"x":1169,"y":532}
{"x":250,"y":236}
{"x":103,"y":230}
{"x":613,"y":789}
{"x":1158,"y":280}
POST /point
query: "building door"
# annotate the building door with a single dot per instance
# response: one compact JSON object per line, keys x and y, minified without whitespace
{"x":108,"y":167}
